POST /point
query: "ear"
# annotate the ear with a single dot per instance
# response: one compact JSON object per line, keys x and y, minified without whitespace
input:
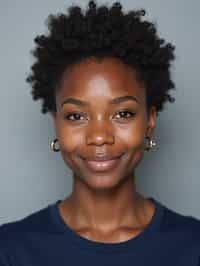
{"x":151,"y":121}
{"x":54,"y":118}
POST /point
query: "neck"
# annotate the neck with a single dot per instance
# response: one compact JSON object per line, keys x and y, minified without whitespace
{"x":105,"y":210}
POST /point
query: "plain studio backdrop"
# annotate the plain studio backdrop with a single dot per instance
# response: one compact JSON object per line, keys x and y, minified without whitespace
{"x":32,"y":176}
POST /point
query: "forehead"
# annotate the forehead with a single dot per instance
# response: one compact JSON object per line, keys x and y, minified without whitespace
{"x":108,"y":78}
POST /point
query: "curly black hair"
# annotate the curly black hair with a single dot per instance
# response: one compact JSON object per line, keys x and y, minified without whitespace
{"x":99,"y":32}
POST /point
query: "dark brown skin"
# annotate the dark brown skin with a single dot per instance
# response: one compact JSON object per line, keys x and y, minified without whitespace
{"x":104,"y":206}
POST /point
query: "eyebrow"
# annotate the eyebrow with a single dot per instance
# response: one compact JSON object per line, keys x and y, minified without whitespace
{"x":113,"y":101}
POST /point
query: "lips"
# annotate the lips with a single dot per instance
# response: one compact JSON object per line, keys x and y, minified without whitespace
{"x":102,"y":163}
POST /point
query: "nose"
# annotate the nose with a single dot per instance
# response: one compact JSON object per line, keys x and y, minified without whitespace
{"x":100,"y":133}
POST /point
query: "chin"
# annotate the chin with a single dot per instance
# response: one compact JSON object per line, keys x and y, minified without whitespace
{"x":103,"y":182}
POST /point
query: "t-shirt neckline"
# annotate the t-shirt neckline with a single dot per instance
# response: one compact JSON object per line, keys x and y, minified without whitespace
{"x":106,"y":247}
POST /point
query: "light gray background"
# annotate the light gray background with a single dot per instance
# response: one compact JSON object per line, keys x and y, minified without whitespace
{"x":32,"y":176}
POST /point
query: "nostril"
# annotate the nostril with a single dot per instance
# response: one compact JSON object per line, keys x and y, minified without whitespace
{"x":99,"y":138}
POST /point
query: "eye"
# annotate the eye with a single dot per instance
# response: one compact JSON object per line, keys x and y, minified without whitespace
{"x":74,"y":117}
{"x":125,"y":114}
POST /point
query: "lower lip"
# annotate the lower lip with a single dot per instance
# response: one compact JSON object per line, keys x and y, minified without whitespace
{"x":102,"y":165}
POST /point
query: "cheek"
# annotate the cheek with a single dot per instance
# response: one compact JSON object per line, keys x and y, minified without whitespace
{"x":69,"y":139}
{"x":70,"y":142}
{"x":134,"y":142}
{"x":132,"y":136}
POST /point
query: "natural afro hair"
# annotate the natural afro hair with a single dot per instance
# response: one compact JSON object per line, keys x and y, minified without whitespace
{"x":101,"y":31}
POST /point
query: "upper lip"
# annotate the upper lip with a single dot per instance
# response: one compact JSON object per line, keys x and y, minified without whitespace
{"x":101,"y":158}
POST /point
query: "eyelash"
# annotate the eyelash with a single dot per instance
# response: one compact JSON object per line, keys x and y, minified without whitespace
{"x":67,"y":117}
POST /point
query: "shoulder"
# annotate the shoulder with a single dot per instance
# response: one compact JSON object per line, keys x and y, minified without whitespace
{"x":174,"y":220}
{"x":30,"y":223}
{"x":181,"y":227}
{"x":17,"y":232}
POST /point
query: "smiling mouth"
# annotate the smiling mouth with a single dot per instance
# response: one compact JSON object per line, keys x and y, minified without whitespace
{"x":102,"y":164}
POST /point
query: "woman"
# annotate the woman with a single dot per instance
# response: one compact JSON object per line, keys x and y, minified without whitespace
{"x":104,"y":76}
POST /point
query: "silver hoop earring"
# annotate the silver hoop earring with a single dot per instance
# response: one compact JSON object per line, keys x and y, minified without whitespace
{"x":52,"y":145}
{"x":150,"y":144}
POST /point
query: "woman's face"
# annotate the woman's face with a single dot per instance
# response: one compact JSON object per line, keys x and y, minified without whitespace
{"x":101,"y":111}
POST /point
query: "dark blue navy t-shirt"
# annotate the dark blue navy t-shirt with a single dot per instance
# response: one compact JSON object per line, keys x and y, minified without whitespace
{"x":43,"y":239}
